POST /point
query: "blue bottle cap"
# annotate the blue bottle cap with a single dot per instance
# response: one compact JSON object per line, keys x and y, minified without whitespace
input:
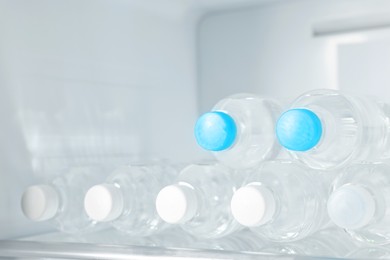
{"x":299,"y":129}
{"x":215,"y":131}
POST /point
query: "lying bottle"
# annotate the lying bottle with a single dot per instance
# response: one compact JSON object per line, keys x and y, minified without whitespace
{"x":325,"y":129}
{"x":59,"y":202}
{"x":199,"y":200}
{"x":240,"y":130}
{"x":241,"y":241}
{"x":360,"y":202}
{"x":112,"y":236}
{"x":281,"y":202}
{"x":332,"y":242}
{"x":173,"y":238}
{"x":370,"y":253}
{"x":169,"y":238}
{"x":126,"y":198}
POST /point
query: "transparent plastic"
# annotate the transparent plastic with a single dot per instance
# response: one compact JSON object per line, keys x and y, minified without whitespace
{"x":70,"y":188}
{"x":298,"y":201}
{"x":212,"y":187}
{"x":242,"y":241}
{"x":370,"y":253}
{"x":138,"y":186}
{"x":331,"y":242}
{"x":169,"y":238}
{"x":374,"y":178}
{"x":255,"y":119}
{"x":112,"y":236}
{"x":47,"y":250}
{"x":353,"y":129}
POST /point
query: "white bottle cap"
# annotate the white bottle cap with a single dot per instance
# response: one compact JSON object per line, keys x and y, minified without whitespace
{"x":176,"y":204}
{"x":40,"y":202}
{"x":351,"y":207}
{"x":253,"y":205}
{"x":103,"y":202}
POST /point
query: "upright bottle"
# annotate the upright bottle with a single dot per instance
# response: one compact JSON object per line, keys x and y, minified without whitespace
{"x":126,"y":198}
{"x":60,"y":202}
{"x":325,"y":129}
{"x":360,"y":202}
{"x":240,"y":130}
{"x":199,"y":200}
{"x":281,"y":202}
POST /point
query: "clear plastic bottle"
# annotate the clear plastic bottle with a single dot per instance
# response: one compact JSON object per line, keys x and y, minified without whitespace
{"x":199,"y":200}
{"x":173,"y":238}
{"x":330,"y":242}
{"x":370,"y":253}
{"x":241,"y":241}
{"x":112,"y":236}
{"x":169,"y":238}
{"x":126,"y":199}
{"x":60,"y":202}
{"x":360,"y":202}
{"x":325,"y":129}
{"x":281,"y":201}
{"x":240,"y":130}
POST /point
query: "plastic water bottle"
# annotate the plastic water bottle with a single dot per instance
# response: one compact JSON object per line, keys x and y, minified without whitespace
{"x":360,"y":202}
{"x":370,"y":253}
{"x":126,"y":199}
{"x":240,"y":130}
{"x":112,"y":236}
{"x":199,"y":200}
{"x":281,"y":202}
{"x":241,"y":241}
{"x":173,"y":238}
{"x":169,"y":238}
{"x":327,"y":243}
{"x":60,"y":202}
{"x":325,"y":129}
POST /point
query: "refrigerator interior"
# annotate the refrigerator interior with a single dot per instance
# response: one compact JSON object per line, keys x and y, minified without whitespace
{"x":112,"y":81}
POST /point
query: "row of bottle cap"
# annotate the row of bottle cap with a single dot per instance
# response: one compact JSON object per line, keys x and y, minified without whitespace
{"x":323,"y":129}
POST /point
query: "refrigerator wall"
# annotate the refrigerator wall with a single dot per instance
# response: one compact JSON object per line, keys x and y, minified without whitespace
{"x":91,"y":81}
{"x":284,"y":48}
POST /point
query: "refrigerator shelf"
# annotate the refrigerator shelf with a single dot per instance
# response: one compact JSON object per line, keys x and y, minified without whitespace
{"x":14,"y":249}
